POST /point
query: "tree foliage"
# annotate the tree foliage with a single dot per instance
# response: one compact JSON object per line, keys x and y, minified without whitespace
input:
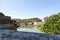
{"x":52,"y":25}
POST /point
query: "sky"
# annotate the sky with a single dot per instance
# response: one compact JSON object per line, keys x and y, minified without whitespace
{"x":29,"y":8}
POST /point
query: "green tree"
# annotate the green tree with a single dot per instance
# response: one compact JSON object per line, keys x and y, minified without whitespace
{"x":52,"y":25}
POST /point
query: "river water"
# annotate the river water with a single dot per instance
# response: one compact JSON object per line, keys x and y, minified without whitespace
{"x":35,"y":30}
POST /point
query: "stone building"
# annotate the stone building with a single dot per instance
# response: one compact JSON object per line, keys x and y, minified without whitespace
{"x":6,"y":22}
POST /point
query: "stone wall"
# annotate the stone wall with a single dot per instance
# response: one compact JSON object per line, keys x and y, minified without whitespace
{"x":16,"y":35}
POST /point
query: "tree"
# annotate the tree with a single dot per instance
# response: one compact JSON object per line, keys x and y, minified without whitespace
{"x":52,"y":25}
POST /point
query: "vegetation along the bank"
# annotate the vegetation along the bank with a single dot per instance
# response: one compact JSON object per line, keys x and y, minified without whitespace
{"x":52,"y":25}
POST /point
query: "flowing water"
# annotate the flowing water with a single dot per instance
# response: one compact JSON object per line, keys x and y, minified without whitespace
{"x":35,"y":30}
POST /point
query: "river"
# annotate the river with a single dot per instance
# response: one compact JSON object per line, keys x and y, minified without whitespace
{"x":35,"y":30}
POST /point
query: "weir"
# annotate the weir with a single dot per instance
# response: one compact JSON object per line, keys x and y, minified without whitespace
{"x":16,"y":35}
{"x":8,"y":31}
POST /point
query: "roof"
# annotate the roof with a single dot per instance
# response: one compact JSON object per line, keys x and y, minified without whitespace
{"x":1,"y":14}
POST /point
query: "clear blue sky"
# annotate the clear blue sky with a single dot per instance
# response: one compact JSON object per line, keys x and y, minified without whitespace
{"x":29,"y":8}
